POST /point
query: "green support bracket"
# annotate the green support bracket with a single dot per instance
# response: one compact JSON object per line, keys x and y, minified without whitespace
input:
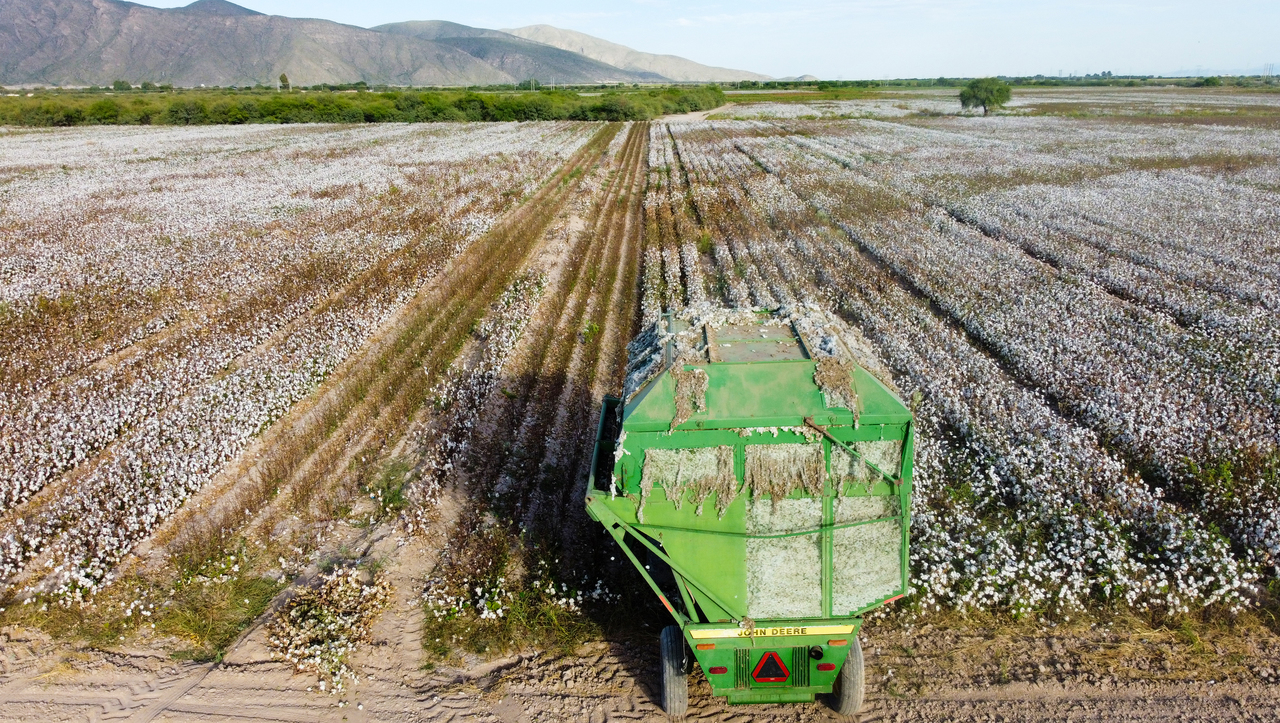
{"x":613,"y":521}
{"x":620,"y":538}
{"x":827,"y":540}
{"x":687,"y":597}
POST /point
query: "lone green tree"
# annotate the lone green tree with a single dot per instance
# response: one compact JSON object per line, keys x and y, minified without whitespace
{"x":986,"y":92}
{"x":284,"y":81}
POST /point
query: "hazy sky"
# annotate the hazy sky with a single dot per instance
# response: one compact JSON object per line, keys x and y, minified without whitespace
{"x":879,"y":38}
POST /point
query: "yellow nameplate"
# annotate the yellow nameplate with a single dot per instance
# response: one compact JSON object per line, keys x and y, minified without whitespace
{"x":769,"y":632}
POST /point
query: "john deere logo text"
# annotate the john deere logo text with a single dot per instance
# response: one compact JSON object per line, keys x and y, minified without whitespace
{"x":771,"y":632}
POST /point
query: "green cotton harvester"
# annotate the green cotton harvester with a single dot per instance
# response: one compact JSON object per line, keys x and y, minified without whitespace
{"x":759,"y":478}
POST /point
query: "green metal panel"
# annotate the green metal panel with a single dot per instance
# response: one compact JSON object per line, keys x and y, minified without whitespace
{"x":761,"y":394}
{"x":765,"y":382}
{"x":716,"y":562}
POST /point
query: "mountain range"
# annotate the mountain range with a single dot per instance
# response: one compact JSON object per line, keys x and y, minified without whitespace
{"x":219,"y":43}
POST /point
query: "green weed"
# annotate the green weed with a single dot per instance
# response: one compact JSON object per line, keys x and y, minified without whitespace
{"x":387,"y":488}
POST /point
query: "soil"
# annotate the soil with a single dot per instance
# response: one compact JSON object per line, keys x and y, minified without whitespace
{"x":914,"y":675}
{"x":695,"y":116}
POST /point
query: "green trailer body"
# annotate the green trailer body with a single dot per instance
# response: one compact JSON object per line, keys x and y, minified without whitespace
{"x":782,"y":519}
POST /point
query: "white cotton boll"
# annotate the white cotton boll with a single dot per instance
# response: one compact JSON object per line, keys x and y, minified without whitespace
{"x":187,"y":443}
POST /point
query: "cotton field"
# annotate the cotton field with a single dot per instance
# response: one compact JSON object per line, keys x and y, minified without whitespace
{"x":1056,"y":101}
{"x":170,"y":295}
{"x":1084,"y":315}
{"x":1083,"y":312}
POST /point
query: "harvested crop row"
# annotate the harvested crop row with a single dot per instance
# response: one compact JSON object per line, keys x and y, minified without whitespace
{"x":364,"y":414}
{"x":527,"y":469}
{"x":88,"y":550}
{"x":330,"y":247}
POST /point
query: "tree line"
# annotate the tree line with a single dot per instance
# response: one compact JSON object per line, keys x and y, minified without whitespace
{"x":203,"y":108}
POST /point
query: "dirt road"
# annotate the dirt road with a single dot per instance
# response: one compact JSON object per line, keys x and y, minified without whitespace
{"x":606,"y":681}
{"x":695,"y":116}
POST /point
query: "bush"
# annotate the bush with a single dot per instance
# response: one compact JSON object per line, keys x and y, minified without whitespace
{"x":223,"y":107}
{"x":186,"y":113}
{"x":986,"y":92}
{"x":105,"y":111}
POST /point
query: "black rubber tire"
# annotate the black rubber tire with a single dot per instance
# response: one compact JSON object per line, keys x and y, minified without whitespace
{"x":675,"y":673}
{"x":846,"y":696}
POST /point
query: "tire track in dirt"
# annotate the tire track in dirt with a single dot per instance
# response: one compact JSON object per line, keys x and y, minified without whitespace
{"x":598,"y":684}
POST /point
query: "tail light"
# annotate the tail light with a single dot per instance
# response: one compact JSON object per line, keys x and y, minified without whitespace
{"x":826,"y":667}
{"x":718,"y":670}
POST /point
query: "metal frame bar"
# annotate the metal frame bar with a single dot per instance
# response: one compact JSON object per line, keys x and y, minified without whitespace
{"x":801,"y":533}
{"x":621,"y":539}
{"x":856,"y":454}
{"x":687,"y":595}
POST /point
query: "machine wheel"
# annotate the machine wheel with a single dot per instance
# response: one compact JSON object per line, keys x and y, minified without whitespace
{"x":846,"y":696}
{"x":675,"y":673}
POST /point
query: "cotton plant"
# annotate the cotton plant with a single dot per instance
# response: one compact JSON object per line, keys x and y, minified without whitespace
{"x":461,"y":393}
{"x":996,"y":460}
{"x":148,"y":417}
{"x":321,"y":626}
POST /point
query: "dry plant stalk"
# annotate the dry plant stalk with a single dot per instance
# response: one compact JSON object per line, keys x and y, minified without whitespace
{"x":691,"y":392}
{"x":834,"y":375}
{"x":701,"y":471}
{"x":777,"y":470}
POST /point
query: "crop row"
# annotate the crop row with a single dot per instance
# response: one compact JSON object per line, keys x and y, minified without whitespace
{"x":1021,"y":505}
{"x":126,"y":437}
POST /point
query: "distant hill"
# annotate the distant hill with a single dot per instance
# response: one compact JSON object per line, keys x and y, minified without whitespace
{"x":437,"y":29}
{"x":219,"y":43}
{"x":520,"y":58}
{"x":667,"y":66}
{"x":217,"y":7}
{"x":212,"y":42}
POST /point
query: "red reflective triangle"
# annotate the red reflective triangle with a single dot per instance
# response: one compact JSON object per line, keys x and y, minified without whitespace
{"x":770,"y":669}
